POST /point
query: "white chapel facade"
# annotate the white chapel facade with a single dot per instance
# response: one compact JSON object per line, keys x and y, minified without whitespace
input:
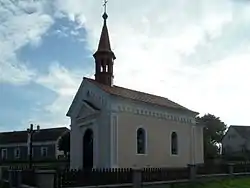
{"x":115,"y":127}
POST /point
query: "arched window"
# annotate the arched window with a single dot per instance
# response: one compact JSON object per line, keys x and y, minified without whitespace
{"x":141,"y":141}
{"x":174,"y":143}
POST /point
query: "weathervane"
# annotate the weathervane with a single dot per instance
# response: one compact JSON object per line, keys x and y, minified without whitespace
{"x":105,"y":6}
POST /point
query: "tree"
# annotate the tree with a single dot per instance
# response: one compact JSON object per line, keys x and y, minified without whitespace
{"x":64,"y":144}
{"x":214,"y":130}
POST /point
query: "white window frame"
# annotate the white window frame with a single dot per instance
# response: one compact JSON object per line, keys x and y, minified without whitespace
{"x":2,"y":153}
{"x":15,"y":153}
{"x":42,"y":149}
{"x":146,"y":141}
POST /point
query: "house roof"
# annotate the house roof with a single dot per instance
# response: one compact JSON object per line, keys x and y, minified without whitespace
{"x":243,"y":131}
{"x":43,"y":135}
{"x":139,"y":96}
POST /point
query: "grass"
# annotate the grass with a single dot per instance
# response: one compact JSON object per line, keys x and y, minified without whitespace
{"x":229,"y":183}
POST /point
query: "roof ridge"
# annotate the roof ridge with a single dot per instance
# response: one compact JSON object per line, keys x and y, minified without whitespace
{"x":145,"y":97}
{"x":142,"y":92}
{"x":40,"y":130}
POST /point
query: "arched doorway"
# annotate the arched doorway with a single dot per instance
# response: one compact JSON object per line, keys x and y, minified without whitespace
{"x":88,"y":149}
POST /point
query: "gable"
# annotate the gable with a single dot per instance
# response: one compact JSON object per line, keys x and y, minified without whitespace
{"x":88,"y":97}
{"x":87,"y":109}
{"x":231,"y":135}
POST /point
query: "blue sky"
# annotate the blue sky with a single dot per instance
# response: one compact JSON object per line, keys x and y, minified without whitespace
{"x":194,"y":52}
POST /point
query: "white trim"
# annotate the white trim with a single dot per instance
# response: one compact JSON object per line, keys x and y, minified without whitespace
{"x":111,"y":141}
{"x":170,"y":138}
{"x":194,"y":138}
{"x":2,"y":153}
{"x":25,"y":144}
{"x":133,"y":107}
{"x":57,"y":150}
{"x":146,"y":140}
{"x":15,"y":152}
{"x":117,"y":142}
{"x":95,"y":144}
{"x":114,"y":140}
{"x":192,"y":146}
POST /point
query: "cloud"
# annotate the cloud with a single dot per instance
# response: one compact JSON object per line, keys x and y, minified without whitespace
{"x":22,"y":23}
{"x":60,"y":80}
{"x":64,"y":83}
{"x":194,"y":52}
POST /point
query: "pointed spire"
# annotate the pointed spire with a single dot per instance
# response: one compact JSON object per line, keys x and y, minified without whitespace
{"x":104,"y":42}
{"x":104,"y":57}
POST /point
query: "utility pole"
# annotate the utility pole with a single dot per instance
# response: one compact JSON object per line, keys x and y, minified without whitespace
{"x":30,"y":132}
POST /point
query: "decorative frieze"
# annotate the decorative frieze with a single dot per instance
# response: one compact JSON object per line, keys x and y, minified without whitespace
{"x":157,"y":114}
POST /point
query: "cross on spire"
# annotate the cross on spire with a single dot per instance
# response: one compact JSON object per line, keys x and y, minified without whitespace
{"x":105,"y":15}
{"x":105,"y":6}
{"x":104,"y":56}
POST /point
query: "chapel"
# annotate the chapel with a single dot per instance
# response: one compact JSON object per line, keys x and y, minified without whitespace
{"x":116,"y":127}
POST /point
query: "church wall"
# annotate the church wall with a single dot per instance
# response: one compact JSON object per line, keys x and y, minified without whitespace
{"x":100,"y":127}
{"x":158,"y":152}
{"x":104,"y":140}
{"x":75,"y":146}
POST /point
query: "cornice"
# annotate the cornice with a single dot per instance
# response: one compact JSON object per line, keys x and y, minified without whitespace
{"x":159,"y":114}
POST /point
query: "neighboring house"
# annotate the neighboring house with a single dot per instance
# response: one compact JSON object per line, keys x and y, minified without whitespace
{"x":112,"y":126}
{"x":236,"y":140}
{"x":13,"y":145}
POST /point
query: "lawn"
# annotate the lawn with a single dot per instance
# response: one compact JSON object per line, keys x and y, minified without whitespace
{"x":233,"y":183}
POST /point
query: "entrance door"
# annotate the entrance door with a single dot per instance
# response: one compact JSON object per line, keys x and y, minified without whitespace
{"x":88,"y":149}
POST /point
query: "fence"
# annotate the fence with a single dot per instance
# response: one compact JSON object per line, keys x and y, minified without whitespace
{"x":164,"y":174}
{"x":94,"y":177}
{"x":120,"y":177}
{"x":99,"y":177}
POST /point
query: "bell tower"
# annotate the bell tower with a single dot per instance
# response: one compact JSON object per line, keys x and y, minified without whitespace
{"x":104,"y":56}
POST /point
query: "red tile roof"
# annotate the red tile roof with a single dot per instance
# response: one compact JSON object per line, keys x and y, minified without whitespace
{"x":139,"y":96}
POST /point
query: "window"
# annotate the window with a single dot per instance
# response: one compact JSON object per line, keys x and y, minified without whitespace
{"x":44,"y":151}
{"x":4,"y":154}
{"x":174,"y":143}
{"x":17,"y":152}
{"x":141,"y":141}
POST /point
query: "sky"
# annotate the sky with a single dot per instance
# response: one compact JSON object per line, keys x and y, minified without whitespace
{"x":194,"y":52}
